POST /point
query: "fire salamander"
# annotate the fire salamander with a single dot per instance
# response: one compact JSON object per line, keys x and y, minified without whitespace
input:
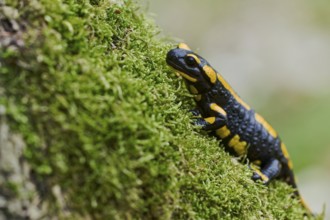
{"x":243,"y":132}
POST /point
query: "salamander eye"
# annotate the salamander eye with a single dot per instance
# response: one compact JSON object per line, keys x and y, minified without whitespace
{"x":190,"y":61}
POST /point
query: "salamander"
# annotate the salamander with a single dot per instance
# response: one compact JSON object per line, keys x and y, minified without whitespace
{"x":243,"y":132}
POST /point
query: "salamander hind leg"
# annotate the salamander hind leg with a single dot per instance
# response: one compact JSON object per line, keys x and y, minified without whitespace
{"x":269,"y":171}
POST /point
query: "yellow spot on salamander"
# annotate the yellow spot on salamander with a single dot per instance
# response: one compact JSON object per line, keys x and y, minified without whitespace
{"x":239,"y":146}
{"x":257,"y":171}
{"x":218,"y":109}
{"x":210,"y":120}
{"x":183,"y":46}
{"x":187,"y":77}
{"x":286,"y":155}
{"x":210,"y":72}
{"x":265,"y":124}
{"x":223,"y":132}
{"x":193,"y":89}
{"x":232,"y":92}
{"x":257,"y":162}
{"x":195,"y":57}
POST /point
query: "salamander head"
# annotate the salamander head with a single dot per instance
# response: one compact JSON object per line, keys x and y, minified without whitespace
{"x":193,"y":68}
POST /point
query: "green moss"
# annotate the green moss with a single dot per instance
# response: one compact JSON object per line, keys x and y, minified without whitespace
{"x":106,"y":120}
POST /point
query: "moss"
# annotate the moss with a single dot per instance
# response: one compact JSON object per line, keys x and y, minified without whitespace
{"x":106,"y":120}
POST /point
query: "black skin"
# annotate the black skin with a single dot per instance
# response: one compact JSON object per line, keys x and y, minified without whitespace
{"x":262,"y":146}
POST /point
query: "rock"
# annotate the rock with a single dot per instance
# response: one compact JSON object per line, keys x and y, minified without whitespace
{"x":17,"y":191}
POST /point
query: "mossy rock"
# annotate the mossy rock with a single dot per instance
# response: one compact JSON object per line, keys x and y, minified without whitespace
{"x":106,"y":122}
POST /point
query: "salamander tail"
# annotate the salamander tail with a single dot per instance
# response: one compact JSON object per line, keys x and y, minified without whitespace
{"x":291,"y":180}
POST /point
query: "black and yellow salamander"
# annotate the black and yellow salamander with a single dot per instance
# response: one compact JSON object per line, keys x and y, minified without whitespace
{"x":243,"y":132}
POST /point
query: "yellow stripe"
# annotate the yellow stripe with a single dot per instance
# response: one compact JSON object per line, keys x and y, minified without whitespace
{"x":257,"y":170}
{"x":186,"y":76}
{"x":239,"y":146}
{"x":263,"y":176}
{"x":195,"y":57}
{"x":210,"y":120}
{"x":218,"y":109}
{"x":210,"y":73}
{"x":284,"y":150}
{"x":223,"y":132}
{"x":228,"y":87}
{"x":304,"y":204}
{"x":183,"y":46}
{"x":286,"y":155}
{"x":265,"y":124}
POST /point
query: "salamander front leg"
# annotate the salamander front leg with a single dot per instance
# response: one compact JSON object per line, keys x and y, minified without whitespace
{"x":195,"y":112}
{"x":210,"y":123}
{"x":268,"y":172}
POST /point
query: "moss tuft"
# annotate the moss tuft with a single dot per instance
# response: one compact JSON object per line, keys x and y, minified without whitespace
{"x":106,"y":121}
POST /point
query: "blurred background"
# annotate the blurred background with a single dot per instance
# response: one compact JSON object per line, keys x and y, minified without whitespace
{"x":276,"y":55}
